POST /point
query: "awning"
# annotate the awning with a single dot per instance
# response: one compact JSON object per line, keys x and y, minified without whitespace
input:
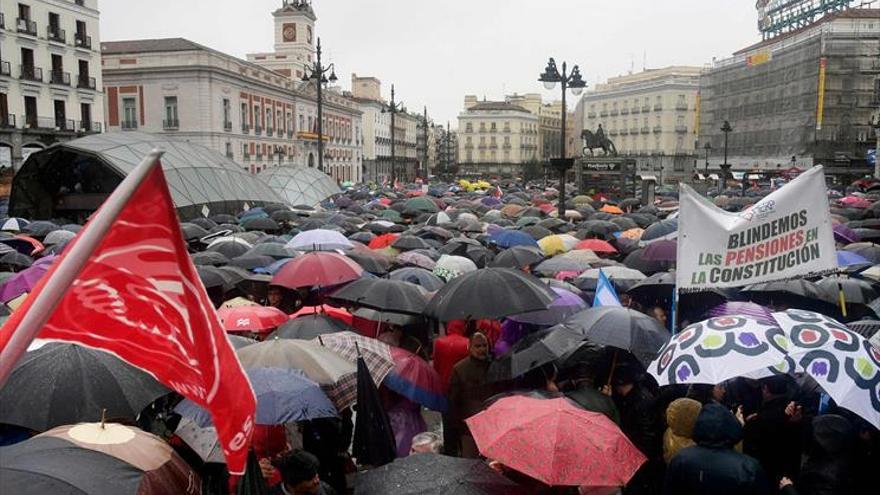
{"x":713,"y":176}
{"x":648,"y":177}
{"x":754,"y":176}
{"x":738,"y":175}
{"x":701,"y":176}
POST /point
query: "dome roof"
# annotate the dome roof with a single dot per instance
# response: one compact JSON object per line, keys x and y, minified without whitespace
{"x":76,"y":176}
{"x":298,"y":185}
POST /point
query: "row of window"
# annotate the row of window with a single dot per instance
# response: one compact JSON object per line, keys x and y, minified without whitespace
{"x":33,"y":119}
{"x":24,"y":24}
{"x":493,"y":156}
{"x":28,"y":71}
{"x":332,"y":127}
{"x":634,"y":123}
{"x":493,"y":127}
{"x":624,"y":105}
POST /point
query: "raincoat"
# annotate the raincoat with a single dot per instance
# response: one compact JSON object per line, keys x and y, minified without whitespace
{"x":681,"y":417}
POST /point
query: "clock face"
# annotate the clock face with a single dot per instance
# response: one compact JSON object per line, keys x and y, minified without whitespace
{"x":289,"y":32}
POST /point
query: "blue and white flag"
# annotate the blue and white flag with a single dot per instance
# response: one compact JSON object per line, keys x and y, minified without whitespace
{"x":605,"y":293}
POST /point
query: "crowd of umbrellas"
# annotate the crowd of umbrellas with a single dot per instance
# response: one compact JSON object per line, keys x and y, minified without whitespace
{"x":305,"y":291}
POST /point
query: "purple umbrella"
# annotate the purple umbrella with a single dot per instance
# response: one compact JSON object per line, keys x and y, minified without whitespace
{"x":411,"y":258}
{"x":491,"y":201}
{"x":23,"y":281}
{"x":663,"y":250}
{"x":567,"y":304}
{"x":846,"y":235}
{"x":732,"y":308}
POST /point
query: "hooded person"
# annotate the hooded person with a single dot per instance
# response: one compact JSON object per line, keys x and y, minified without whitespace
{"x":641,"y":422}
{"x":681,"y":417}
{"x":828,"y":469}
{"x":712,"y":466}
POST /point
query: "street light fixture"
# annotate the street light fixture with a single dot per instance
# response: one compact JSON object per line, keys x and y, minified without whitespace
{"x":393,"y":108}
{"x":725,"y":167}
{"x":318,"y":73}
{"x":576,"y":83}
{"x":708,"y":148}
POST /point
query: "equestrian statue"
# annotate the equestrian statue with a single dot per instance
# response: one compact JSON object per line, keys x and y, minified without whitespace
{"x":597,"y":140}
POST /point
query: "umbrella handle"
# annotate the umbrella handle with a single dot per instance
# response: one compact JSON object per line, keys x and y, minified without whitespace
{"x":841,"y":298}
{"x":358,"y":349}
{"x":613,"y":365}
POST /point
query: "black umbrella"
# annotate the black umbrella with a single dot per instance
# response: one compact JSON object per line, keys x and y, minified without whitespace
{"x":231,"y":248}
{"x":664,"y":229}
{"x":39,"y":228}
{"x":489,"y":293}
{"x":15,"y":258}
{"x":52,"y":465}
{"x":250,"y":262}
{"x":418,"y":276}
{"x":385,"y":295}
{"x":239,"y":341}
{"x":213,"y":277}
{"x":537,"y":232}
{"x":518,"y":257}
{"x":364,"y":237}
{"x":625,"y":223}
{"x":596,"y":228}
{"x":796,"y":289}
{"x":376,"y":264}
{"x":410,"y":242}
{"x":62,"y":384}
{"x":535,"y":350}
{"x":205,"y":223}
{"x":434,"y":474}
{"x":271,"y":249}
{"x":374,"y":443}
{"x":622,"y":328}
{"x":637,"y":261}
{"x":253,"y":482}
{"x":224,"y":218}
{"x":657,"y":286}
{"x":285,"y":216}
{"x":209,"y":258}
{"x":308,"y":327}
{"x":855,"y":291}
{"x":192,"y":231}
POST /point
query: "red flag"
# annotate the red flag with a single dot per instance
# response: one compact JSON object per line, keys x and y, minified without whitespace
{"x":139,"y":297}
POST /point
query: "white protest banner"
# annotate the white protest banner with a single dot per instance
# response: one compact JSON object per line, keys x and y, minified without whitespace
{"x":786,"y":234}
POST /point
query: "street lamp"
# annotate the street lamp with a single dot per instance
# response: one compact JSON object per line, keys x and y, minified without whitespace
{"x":575,"y":82}
{"x":725,"y":167}
{"x":424,"y":125}
{"x":317,"y":72}
{"x":393,"y":108}
{"x":708,"y":148}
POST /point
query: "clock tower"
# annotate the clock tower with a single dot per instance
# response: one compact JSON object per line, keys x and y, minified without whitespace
{"x":294,"y":39}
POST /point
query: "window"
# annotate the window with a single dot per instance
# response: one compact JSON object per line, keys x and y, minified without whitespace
{"x":245,"y":152}
{"x":257,"y":118}
{"x":301,"y":122}
{"x":85,"y":111}
{"x":171,"y":121}
{"x":228,"y":149}
{"x":61,"y":115}
{"x":493,"y":126}
{"x":269,"y":120}
{"x":244,"y":117}
{"x":227,"y":114}
{"x":129,"y":113}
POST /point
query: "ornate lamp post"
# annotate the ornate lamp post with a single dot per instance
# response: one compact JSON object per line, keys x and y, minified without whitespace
{"x":725,"y":167}
{"x":317,"y":72}
{"x":425,"y":125}
{"x":393,"y":108}
{"x":708,"y":148}
{"x":575,"y":82}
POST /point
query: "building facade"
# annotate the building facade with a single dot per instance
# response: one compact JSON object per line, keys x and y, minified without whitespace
{"x":294,"y":25}
{"x":255,"y":116}
{"x":50,"y":75}
{"x":801,"y":98}
{"x":497,"y":138}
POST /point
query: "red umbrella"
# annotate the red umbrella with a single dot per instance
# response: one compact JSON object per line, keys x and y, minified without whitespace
{"x":555,"y":442}
{"x":251,"y":318}
{"x":596,"y":245}
{"x":335,"y":313}
{"x":416,"y":380}
{"x":383,"y":241}
{"x":317,"y":269}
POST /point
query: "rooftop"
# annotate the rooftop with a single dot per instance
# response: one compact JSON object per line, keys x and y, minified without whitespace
{"x":846,"y":14}
{"x":150,"y":46}
{"x":484,"y":106}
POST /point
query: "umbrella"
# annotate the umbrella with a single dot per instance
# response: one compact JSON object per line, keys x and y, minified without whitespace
{"x":845,"y":235}
{"x":352,"y":346}
{"x":719,"y":349}
{"x":417,"y":276}
{"x":283,"y":396}
{"x":415,"y":259}
{"x":385,"y":295}
{"x":449,"y":267}
{"x":202,"y":440}
{"x":621,"y":277}
{"x":596,"y":246}
{"x":208,"y":258}
{"x":58,"y":237}
{"x":867,"y":250}
{"x":416,"y":380}
{"x":229,"y":247}
{"x":14,"y":258}
{"x":260,"y":319}
{"x":375,"y":263}
{"x":511,"y":238}
{"x":845,"y":364}
{"x":661,"y":250}
{"x":556,"y":442}
{"x":52,"y":465}
{"x":335,"y":374}
{"x":566,"y":304}
{"x":558,"y":264}
{"x":14,"y":224}
{"x":518,"y":257}
{"x":596,"y":228}
{"x":865,"y":328}
{"x":799,"y":288}
{"x":488,"y":294}
{"x":22,"y":282}
{"x":240,"y":341}
{"x":623,"y":328}
{"x":737,"y":308}
{"x":273,"y":250}
{"x":213,"y":277}
{"x":848,"y":258}
{"x":410,"y":242}
{"x":163,"y":471}
{"x":535,"y":350}
{"x":556,"y":244}
{"x":374,"y":442}
{"x":383,"y":241}
{"x":308,"y":327}
{"x":262,"y":224}
{"x":856,"y":291}
{"x":319,"y":240}
{"x":317,"y":269}
{"x":420,"y":205}
{"x":61,"y":384}
{"x":192,"y":232}
{"x":251,"y":262}
{"x":664,"y":229}
{"x":434,"y":474}
{"x":637,"y":261}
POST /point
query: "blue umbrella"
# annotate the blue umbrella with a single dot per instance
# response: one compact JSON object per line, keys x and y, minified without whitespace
{"x":847,"y":258}
{"x":283,"y":396}
{"x":274,"y":267}
{"x":511,"y":238}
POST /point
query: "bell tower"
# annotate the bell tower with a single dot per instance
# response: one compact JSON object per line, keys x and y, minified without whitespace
{"x":295,"y":31}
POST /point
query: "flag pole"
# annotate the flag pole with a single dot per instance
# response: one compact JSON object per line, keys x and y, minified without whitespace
{"x":70,"y":265}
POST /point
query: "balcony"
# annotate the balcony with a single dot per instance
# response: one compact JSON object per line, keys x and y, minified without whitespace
{"x":245,"y":128}
{"x":624,"y":111}
{"x":5,"y":68}
{"x":31,"y":73}
{"x":624,"y":132}
{"x":636,"y":110}
{"x":614,"y":113}
{"x":633,"y":130}
{"x":269,"y":131}
{"x":612,"y":132}
{"x":657,"y":129}
{"x":88,"y":126}
{"x":591,"y":115}
{"x":258,"y":130}
{"x":227,"y":126}
{"x":26,"y":26}
{"x":48,"y":123}
{"x":86,"y":82}
{"x":229,"y":155}
{"x":681,"y":129}
{"x":658,"y":107}
{"x":81,"y":40}
{"x":2,"y":21}
{"x":171,"y":124}
{"x":129,"y":125}
{"x":506,"y":146}
{"x":507,"y":130}
{"x":56,"y":34}
{"x":59,"y":77}
{"x":645,"y":130}
{"x":290,"y":134}
{"x":259,"y":156}
{"x":681,"y":107}
{"x":603,"y":113}
{"x":646,"y":108}
{"x":7,"y":121}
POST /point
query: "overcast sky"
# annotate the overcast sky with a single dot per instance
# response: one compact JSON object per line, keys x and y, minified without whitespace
{"x":435,"y":52}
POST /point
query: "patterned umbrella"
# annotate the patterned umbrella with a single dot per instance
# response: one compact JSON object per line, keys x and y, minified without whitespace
{"x":251,"y":318}
{"x":719,"y":349}
{"x":752,"y":310}
{"x":350,"y":345}
{"x":555,"y":442}
{"x":844,"y":363}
